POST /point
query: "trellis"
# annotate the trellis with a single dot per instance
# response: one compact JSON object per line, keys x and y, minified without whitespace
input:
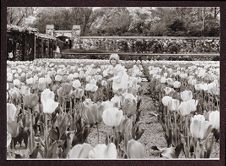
{"x":27,"y":44}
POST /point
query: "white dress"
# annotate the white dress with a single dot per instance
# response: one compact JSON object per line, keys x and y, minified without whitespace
{"x":120,"y":79}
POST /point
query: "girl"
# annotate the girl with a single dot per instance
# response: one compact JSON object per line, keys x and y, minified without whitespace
{"x":120,"y":77}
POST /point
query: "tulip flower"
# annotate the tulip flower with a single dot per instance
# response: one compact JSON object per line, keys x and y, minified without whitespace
{"x":14,"y":93}
{"x":163,"y":80}
{"x":91,"y":87}
{"x":102,"y":151}
{"x":186,"y":95}
{"x":176,"y":84}
{"x":117,"y":100}
{"x":30,"y":81}
{"x":186,"y":107}
{"x":65,"y":90}
{"x":112,"y":116}
{"x":129,"y":104}
{"x":17,"y":83}
{"x":104,"y":83}
{"x":166,"y":100}
{"x":135,"y":149}
{"x":48,"y":80}
{"x":11,"y":112}
{"x":168,"y":90}
{"x":25,"y":90}
{"x":58,"y":78}
{"x":214,"y":119}
{"x":80,"y":151}
{"x":47,"y":99}
{"x":9,"y":139}
{"x":78,"y":93}
{"x":76,"y":84}
{"x":92,"y":114}
{"x":173,"y":105}
{"x":30,"y":100}
{"x":9,"y":77}
{"x":199,"y":127}
{"x":203,"y":86}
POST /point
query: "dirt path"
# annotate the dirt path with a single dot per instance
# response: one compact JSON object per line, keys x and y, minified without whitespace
{"x":153,"y":135}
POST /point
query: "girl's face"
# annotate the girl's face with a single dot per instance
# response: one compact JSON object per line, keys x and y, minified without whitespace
{"x":113,"y":62}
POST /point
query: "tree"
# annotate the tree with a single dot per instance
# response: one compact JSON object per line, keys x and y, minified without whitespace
{"x":18,"y":15}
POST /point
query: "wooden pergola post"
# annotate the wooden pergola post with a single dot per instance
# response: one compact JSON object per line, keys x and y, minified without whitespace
{"x":35,"y":47}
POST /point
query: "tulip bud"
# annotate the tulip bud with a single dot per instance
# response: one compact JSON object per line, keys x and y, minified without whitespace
{"x":173,"y":105}
{"x":11,"y":112}
{"x":102,"y":151}
{"x":166,"y":100}
{"x":186,"y":95}
{"x":199,"y":128}
{"x":176,"y":84}
{"x":30,"y":100}
{"x":112,"y":116}
{"x":76,"y":84}
{"x":80,"y":151}
{"x":135,"y":149}
{"x":214,"y":119}
{"x":48,"y":103}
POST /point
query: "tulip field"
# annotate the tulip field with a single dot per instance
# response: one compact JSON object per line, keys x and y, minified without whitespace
{"x":66,"y":109}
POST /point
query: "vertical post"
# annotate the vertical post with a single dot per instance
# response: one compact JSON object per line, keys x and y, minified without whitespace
{"x":76,"y":32}
{"x":34,"y":47}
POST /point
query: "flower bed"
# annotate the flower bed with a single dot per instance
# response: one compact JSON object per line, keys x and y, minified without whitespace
{"x":54,"y":104}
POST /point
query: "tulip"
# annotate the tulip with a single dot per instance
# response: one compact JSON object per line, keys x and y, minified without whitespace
{"x":166,"y":100}
{"x":186,"y":95}
{"x":214,"y":119}
{"x":47,"y":99}
{"x":135,"y":149}
{"x":30,"y":81}
{"x":129,"y":104}
{"x":176,"y":84}
{"x":9,"y":139}
{"x":65,"y":90}
{"x":14,"y":93}
{"x":168,"y":90}
{"x":17,"y":83}
{"x":169,"y":81}
{"x":92,"y":114}
{"x":78,"y":93}
{"x":25,"y":90}
{"x":11,"y":112}
{"x":76,"y":84}
{"x":80,"y":151}
{"x":199,"y":128}
{"x":117,"y":100}
{"x":30,"y":100}
{"x":163,"y":80}
{"x":102,"y":151}
{"x":112,"y":116}
{"x":9,"y":77}
{"x":91,"y":87}
{"x":48,"y":80}
{"x":104,"y":83}
{"x":186,"y":107}
{"x":58,"y":78}
{"x":203,"y":86}
{"x":173,"y":105}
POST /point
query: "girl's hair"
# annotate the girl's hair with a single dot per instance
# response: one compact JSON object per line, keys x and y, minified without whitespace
{"x":114,"y":56}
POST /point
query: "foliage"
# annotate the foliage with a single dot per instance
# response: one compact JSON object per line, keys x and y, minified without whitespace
{"x":125,"y":20}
